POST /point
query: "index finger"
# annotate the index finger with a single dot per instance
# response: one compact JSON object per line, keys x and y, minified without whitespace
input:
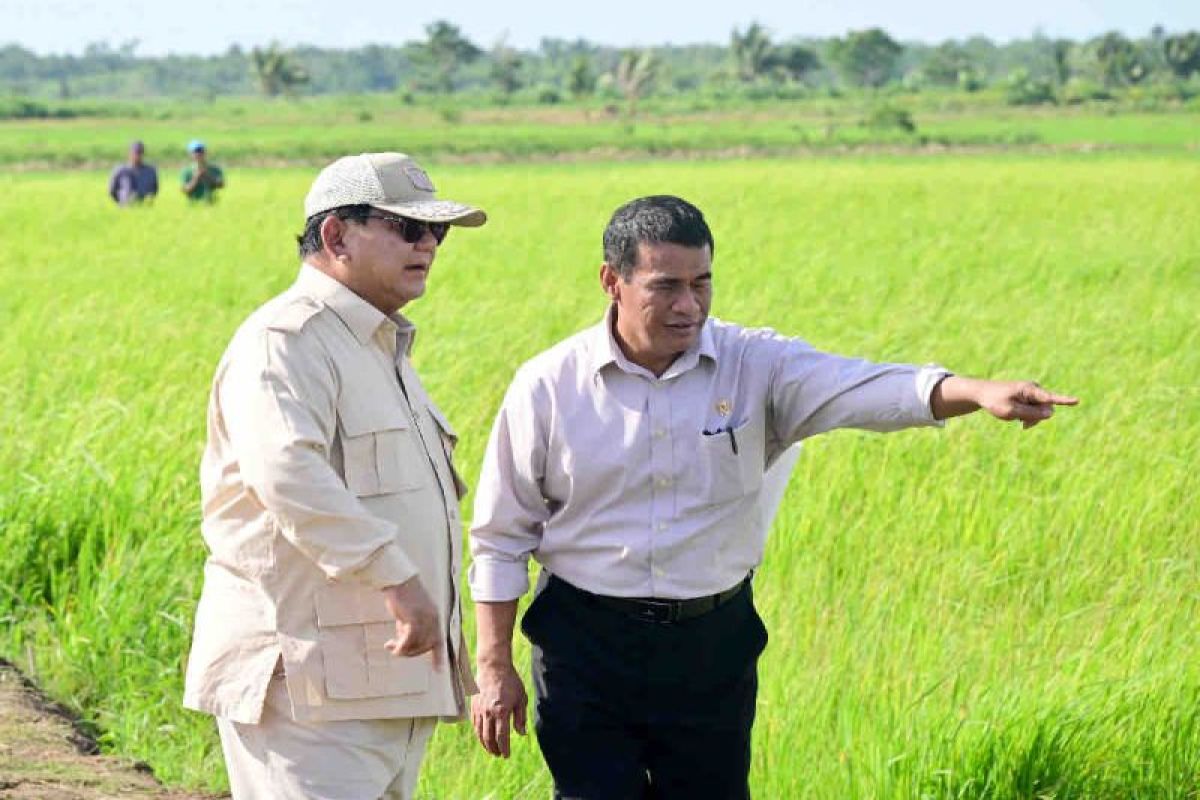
{"x":1043,"y":396}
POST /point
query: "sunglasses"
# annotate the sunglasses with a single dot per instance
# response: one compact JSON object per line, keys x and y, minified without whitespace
{"x":413,"y":230}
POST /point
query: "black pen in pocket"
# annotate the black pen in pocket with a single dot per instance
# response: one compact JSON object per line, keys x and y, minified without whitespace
{"x":732,"y":437}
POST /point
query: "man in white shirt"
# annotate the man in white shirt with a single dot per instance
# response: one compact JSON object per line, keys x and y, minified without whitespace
{"x":628,"y":460}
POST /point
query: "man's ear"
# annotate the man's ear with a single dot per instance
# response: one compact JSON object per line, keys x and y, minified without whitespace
{"x":610,"y":281}
{"x":332,"y":229}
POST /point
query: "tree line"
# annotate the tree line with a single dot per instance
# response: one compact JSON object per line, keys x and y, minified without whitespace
{"x":753,"y":63}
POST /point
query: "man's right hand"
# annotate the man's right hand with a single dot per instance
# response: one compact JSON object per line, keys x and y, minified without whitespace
{"x":418,"y":629}
{"x":501,"y":698}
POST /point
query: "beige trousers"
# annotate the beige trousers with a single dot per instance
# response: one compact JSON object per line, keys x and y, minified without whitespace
{"x":281,"y":759}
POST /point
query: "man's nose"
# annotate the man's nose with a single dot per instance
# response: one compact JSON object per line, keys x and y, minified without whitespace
{"x":687,"y":302}
{"x":427,"y":241}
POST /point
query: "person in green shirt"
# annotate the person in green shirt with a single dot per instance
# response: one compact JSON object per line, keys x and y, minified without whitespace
{"x":200,"y":180}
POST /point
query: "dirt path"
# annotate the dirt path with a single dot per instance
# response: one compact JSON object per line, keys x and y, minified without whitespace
{"x":45,"y":756}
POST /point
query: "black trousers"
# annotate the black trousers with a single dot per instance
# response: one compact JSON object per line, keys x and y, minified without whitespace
{"x":630,"y":710}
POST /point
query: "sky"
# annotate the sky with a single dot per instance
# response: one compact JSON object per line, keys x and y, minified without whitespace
{"x":211,"y":26}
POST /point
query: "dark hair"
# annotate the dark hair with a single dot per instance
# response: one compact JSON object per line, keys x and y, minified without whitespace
{"x":658,"y":218}
{"x":309,"y":242}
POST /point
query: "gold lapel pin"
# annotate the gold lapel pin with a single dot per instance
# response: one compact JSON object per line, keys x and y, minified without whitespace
{"x":724,"y":407}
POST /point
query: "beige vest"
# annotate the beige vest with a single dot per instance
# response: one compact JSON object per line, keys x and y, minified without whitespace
{"x":266,"y":600}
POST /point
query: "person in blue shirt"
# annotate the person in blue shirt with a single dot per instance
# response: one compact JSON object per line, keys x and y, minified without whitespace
{"x":135,"y":181}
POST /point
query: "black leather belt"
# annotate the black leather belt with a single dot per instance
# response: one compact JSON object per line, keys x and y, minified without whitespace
{"x":655,"y":609}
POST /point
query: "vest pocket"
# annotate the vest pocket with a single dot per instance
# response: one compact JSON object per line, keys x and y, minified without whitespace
{"x":353,"y":625}
{"x":379,"y":451}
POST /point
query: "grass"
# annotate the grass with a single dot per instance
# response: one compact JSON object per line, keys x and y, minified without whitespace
{"x":974,"y":613}
{"x":314,"y":131}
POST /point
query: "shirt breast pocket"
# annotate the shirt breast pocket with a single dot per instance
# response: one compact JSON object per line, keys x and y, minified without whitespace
{"x":380,"y":451}
{"x":729,"y":465}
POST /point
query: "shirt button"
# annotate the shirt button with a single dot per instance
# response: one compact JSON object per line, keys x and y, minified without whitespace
{"x":663,"y":482}
{"x":662,"y":526}
{"x":659,"y":433}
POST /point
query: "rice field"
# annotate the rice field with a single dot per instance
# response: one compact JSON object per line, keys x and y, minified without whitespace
{"x":977,"y":612}
{"x":314,"y":131}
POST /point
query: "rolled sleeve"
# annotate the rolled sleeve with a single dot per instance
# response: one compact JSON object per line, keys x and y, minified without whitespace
{"x":510,"y":509}
{"x":928,"y":377}
{"x":495,"y":579}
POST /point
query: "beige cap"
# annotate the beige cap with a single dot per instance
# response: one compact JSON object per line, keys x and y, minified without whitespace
{"x":388,"y":181}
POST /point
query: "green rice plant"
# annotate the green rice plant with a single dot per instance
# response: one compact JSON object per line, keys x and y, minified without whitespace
{"x":316,"y":131}
{"x":978,"y":612}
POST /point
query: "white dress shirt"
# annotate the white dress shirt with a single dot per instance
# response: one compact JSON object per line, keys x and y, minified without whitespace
{"x":631,"y":485}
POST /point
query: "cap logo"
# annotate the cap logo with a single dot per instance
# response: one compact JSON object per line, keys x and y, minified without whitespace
{"x":418,"y":177}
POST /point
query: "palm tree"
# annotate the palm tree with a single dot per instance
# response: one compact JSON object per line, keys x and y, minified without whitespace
{"x":1061,"y":51}
{"x":751,"y":51}
{"x":446,"y":49}
{"x":634,"y":76}
{"x":276,"y":72}
{"x":506,"y":67}
{"x":1182,"y":53}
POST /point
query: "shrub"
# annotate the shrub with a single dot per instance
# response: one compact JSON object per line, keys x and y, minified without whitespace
{"x":970,"y":81}
{"x":1079,"y":90}
{"x":450,"y":115}
{"x":548,"y":95}
{"x":1021,"y":89}
{"x":890,"y":118}
{"x":25,"y":108}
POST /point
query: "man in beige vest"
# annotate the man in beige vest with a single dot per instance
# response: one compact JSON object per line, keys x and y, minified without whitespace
{"x":328,"y":636}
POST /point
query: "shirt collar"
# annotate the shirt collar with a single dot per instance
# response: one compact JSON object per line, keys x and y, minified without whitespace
{"x":360,"y":317}
{"x":604,"y":350}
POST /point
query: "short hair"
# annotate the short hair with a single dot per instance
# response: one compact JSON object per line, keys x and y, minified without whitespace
{"x":309,"y":242}
{"x":657,"y":218}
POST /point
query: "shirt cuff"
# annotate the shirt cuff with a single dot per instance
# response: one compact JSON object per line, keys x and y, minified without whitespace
{"x":928,"y":377}
{"x":493,"y":581}
{"x":389,"y":567}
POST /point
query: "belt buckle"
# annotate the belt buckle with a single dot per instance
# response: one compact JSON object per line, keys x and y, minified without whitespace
{"x":658,"y":611}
